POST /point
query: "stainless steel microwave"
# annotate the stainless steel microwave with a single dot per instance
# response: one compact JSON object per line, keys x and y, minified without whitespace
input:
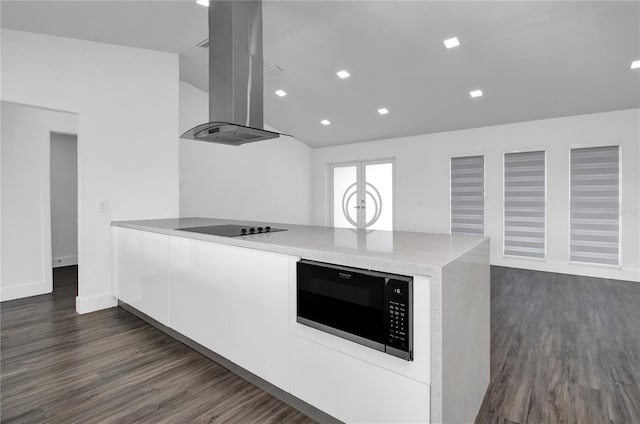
{"x":367,"y":307}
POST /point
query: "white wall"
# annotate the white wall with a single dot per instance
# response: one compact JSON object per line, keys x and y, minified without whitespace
{"x":64,"y":199}
{"x":127,"y":105}
{"x":25,"y":222}
{"x":422,"y":181}
{"x":264,"y":181}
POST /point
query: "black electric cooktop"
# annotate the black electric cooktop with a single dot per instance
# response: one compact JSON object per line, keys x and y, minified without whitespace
{"x":232,"y":230}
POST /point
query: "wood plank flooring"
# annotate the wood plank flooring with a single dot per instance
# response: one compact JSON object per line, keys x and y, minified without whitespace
{"x":564,"y":349}
{"x":111,"y":367}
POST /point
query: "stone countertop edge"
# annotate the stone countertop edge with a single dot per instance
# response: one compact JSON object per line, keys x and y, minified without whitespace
{"x":398,"y":252}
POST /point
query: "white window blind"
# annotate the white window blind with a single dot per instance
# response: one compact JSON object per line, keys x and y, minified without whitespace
{"x":467,"y":195}
{"x":595,"y":197}
{"x":524,"y":204}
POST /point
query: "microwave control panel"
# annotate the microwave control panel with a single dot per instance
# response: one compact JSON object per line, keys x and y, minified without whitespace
{"x":398,"y":317}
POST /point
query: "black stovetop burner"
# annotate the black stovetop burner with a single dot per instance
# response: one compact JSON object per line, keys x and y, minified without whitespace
{"x":232,"y":230}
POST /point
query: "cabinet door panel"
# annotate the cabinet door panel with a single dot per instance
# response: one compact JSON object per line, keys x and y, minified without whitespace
{"x":199,"y":292}
{"x":127,"y":245}
{"x":354,"y":390}
{"x":260,"y":313}
{"x":153,"y":289}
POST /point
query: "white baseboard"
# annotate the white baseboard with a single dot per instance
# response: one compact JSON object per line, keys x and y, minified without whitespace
{"x":64,"y":261}
{"x":18,"y":291}
{"x":85,"y":305}
{"x":613,"y":273}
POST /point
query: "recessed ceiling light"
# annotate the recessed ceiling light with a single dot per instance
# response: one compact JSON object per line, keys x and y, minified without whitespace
{"x":451,"y":42}
{"x":325,"y":122}
{"x":383,"y":111}
{"x":475,"y":93}
{"x":635,"y":64}
{"x":203,"y":2}
{"x":343,"y":74}
{"x":281,"y":93}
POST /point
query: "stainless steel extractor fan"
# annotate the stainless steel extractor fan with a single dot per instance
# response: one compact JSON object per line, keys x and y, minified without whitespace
{"x":235,"y":76}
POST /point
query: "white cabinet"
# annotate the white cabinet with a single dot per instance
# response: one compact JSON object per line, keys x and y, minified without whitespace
{"x":199,"y":292}
{"x":154,"y":288}
{"x":259,"y":313}
{"x":240,"y":303}
{"x":234,"y":301}
{"x":127,"y":258}
{"x":141,"y":271}
{"x":354,"y":390}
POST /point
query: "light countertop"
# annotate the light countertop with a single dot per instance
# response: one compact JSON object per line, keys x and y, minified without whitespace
{"x":397,"y":252}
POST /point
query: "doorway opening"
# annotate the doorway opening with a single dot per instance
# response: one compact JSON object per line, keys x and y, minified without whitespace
{"x":362,"y":195}
{"x":64,"y":206}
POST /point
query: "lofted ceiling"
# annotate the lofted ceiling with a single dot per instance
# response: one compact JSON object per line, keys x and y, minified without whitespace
{"x":533,"y":60}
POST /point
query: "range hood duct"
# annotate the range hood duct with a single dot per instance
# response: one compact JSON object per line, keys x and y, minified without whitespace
{"x":235,"y":76}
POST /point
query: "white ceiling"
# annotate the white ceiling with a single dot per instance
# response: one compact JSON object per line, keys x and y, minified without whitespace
{"x":533,"y":60}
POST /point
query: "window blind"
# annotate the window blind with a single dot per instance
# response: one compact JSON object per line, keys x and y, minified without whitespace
{"x":595,"y":198}
{"x":467,"y":195}
{"x":524,"y":204}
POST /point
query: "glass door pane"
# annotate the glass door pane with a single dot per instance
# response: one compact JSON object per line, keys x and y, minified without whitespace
{"x":345,"y":196}
{"x":362,"y":195}
{"x":378,"y":196}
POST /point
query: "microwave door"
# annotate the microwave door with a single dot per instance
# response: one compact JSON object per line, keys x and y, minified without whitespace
{"x":346,"y":303}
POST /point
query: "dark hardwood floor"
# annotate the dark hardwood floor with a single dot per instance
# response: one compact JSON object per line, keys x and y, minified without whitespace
{"x":564,"y":349}
{"x":111,"y":367}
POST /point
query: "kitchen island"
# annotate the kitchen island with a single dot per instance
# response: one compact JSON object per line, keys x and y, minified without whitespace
{"x":234,"y":298}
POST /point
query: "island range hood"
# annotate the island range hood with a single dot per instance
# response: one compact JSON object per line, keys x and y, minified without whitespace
{"x":235,"y":76}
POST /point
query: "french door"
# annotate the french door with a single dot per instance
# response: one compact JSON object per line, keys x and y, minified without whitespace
{"x":362,"y":195}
